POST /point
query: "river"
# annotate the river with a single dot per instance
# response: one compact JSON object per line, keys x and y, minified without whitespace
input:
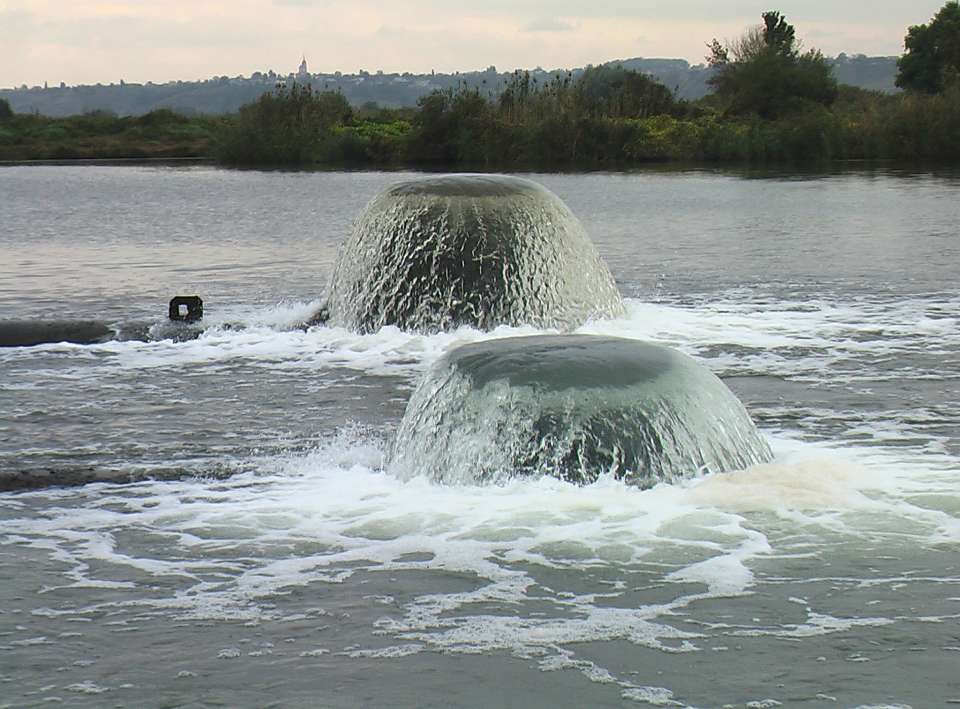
{"x":256,"y":553}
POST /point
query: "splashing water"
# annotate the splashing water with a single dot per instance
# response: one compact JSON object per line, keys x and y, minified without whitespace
{"x":435,"y":254}
{"x":574,"y":407}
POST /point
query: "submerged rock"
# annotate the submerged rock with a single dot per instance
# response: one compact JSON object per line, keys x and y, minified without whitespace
{"x":573,"y":407}
{"x":480,"y":250}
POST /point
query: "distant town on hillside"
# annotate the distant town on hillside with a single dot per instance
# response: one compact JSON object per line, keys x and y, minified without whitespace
{"x":225,"y":94}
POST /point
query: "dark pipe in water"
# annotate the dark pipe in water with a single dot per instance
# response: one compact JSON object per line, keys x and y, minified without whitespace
{"x":26,"y":333}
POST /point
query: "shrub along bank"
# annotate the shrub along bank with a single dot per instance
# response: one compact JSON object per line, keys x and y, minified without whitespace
{"x":159,"y":134}
{"x":463,"y":130}
{"x":468,"y":131}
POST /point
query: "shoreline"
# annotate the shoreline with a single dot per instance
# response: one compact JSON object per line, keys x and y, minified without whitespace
{"x":108,"y":161}
{"x":812,"y":167}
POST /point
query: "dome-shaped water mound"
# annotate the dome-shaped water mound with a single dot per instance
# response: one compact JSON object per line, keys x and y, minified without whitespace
{"x":573,"y":407}
{"x":480,"y":250}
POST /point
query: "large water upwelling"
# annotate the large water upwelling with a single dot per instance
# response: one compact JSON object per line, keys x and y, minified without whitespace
{"x":438,"y":253}
{"x":284,"y":565}
{"x":573,"y":407}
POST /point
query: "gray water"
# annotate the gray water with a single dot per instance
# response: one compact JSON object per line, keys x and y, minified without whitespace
{"x":261,"y":556}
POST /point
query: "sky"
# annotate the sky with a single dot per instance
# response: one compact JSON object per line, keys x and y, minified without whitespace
{"x":91,"y":41}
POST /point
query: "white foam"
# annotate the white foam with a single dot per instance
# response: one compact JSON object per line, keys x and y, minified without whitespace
{"x":86,"y":687}
{"x":807,"y":484}
{"x":348,"y":514}
{"x":393,"y":651}
{"x":323,"y":517}
{"x":817,"y":624}
{"x":803,"y":340}
{"x":655,"y":696}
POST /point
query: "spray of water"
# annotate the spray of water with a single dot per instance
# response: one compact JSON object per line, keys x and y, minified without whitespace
{"x":575,"y":407}
{"x":432,"y":255}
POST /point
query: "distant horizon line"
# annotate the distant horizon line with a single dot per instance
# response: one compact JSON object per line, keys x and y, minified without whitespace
{"x":377,"y":72}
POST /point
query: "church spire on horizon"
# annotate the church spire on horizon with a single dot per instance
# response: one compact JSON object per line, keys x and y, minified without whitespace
{"x":302,"y":71}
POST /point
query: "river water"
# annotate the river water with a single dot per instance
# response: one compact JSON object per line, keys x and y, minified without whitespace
{"x":258,"y":554}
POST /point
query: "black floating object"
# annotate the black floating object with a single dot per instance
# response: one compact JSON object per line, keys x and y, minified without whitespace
{"x":186,"y":308}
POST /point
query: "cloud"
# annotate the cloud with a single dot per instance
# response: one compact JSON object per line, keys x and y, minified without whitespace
{"x":94,"y":40}
{"x":392,"y":32}
{"x":17,"y":24}
{"x":303,"y":3}
{"x":548,"y":24}
{"x":824,"y":34}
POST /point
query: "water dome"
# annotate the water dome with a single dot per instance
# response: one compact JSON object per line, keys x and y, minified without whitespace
{"x":480,"y":250}
{"x":573,"y":407}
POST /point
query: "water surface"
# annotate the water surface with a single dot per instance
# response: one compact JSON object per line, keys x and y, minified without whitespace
{"x":262,"y":555}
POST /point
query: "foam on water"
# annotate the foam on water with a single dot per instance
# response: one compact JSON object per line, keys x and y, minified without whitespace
{"x":541,"y":565}
{"x":808,"y":341}
{"x":328,"y":515}
{"x":231,"y":550}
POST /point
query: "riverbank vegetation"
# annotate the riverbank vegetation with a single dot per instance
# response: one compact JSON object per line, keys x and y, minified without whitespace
{"x":773,"y":101}
{"x":101,"y":135}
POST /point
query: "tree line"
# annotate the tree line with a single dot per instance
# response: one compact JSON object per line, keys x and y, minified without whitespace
{"x":772,"y":101}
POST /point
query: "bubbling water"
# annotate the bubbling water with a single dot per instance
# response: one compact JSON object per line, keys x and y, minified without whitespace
{"x":574,"y":407}
{"x":434,"y":254}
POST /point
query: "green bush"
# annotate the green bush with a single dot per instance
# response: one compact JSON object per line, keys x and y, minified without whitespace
{"x":161,"y":117}
{"x":765,"y":74}
{"x":288,"y":126}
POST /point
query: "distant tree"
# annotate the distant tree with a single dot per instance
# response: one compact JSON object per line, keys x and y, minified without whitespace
{"x":765,"y":73}
{"x":719,"y":54}
{"x":161,"y":116}
{"x":5,"y":111}
{"x":615,"y":92}
{"x":450,"y":127}
{"x":931,"y":61}
{"x":599,"y":92}
{"x":778,"y":35}
{"x":286,"y":126}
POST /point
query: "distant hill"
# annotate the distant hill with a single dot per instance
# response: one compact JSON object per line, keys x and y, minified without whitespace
{"x":690,"y":82}
{"x":874,"y":73}
{"x":226,"y":94}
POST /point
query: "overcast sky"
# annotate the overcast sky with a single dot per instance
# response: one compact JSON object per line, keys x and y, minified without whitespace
{"x":90,"y":41}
